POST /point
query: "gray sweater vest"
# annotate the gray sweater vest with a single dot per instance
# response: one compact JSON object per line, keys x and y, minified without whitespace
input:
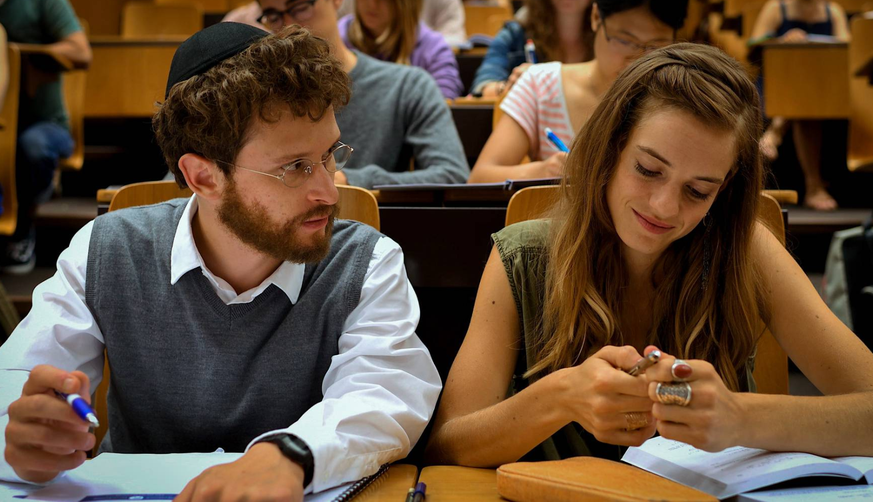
{"x":191,"y":374}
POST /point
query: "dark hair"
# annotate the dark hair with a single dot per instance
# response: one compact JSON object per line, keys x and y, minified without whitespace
{"x":210,"y":114}
{"x":670,"y":12}
{"x":540,"y":27}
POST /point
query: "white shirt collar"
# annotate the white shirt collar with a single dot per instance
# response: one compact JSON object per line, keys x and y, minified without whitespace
{"x":185,"y":257}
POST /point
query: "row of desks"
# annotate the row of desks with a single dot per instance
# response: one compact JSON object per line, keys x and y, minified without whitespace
{"x":128,"y":76}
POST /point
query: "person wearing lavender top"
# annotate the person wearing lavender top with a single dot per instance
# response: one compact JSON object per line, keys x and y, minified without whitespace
{"x":430,"y":51}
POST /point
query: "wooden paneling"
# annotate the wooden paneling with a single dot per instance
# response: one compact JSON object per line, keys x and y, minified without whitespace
{"x":127,"y":77}
{"x":103,"y":16}
{"x":145,"y":19}
{"x":806,"y":81}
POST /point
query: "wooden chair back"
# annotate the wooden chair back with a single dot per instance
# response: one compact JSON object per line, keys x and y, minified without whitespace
{"x":354,"y":204}
{"x":9,"y":140}
{"x":771,"y":362}
{"x":486,"y":19}
{"x":751,"y":11}
{"x":149,"y":20}
{"x":860,"y":152}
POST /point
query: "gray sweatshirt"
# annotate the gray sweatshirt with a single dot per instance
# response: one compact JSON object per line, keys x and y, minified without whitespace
{"x":398,"y":113}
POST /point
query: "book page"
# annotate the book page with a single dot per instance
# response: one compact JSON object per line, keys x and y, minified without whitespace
{"x":157,"y":476}
{"x":863,"y":464}
{"x":834,"y":493}
{"x":731,"y":471}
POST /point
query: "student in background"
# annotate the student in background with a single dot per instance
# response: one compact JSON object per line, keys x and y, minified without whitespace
{"x":245,"y":317}
{"x":397,"y":114}
{"x":43,"y":127}
{"x":791,"y":21}
{"x":246,"y":14}
{"x":443,"y":16}
{"x":654,"y":242}
{"x":562,"y":97}
{"x":390,"y":30}
{"x":560,"y":31}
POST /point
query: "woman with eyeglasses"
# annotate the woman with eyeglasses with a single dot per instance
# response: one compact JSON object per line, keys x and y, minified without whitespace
{"x":560,"y":31}
{"x":561,"y":97}
{"x":391,"y":30}
{"x":654,"y":244}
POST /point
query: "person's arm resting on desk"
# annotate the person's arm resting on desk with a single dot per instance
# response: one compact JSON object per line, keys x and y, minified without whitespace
{"x":58,"y":340}
{"x":72,"y":44}
{"x":826,"y":351}
{"x":379,"y":392}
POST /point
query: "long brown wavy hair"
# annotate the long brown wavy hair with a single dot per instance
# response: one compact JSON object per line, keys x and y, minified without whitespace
{"x":586,"y":274}
{"x":398,"y":41}
{"x":540,"y":27}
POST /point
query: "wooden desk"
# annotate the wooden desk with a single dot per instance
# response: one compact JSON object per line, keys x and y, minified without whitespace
{"x":806,"y":81}
{"x":391,"y":486}
{"x":460,"y":484}
{"x":127,"y":76}
{"x":60,"y":62}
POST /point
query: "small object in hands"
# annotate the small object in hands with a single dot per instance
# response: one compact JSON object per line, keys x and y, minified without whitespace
{"x":680,"y":370}
{"x":650,"y":359}
{"x":556,"y":140}
{"x":530,"y":52}
{"x":636,"y":420}
{"x":410,"y":495}
{"x":674,"y":393}
{"x":80,"y":406}
{"x":419,"y":492}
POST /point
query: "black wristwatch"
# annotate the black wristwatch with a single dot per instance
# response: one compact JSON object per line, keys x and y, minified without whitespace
{"x":295,"y":450}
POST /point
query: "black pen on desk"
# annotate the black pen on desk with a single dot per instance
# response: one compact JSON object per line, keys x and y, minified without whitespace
{"x":80,"y":406}
{"x":419,"y":492}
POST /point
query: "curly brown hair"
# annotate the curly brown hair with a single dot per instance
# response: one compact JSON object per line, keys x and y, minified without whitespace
{"x":210,"y":114}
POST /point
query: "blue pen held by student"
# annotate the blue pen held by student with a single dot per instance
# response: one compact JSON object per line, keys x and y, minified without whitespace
{"x":556,"y":140}
{"x":80,"y":406}
{"x":530,"y":52}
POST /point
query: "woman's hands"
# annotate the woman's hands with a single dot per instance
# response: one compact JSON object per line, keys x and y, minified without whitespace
{"x":599,"y":398}
{"x":713,"y":418}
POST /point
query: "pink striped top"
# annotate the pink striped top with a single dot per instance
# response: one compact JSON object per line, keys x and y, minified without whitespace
{"x":536,"y":101}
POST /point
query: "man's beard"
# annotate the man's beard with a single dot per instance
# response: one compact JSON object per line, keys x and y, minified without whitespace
{"x":252,"y":226}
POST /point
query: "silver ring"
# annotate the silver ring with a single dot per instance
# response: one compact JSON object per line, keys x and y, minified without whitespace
{"x":676,"y":363}
{"x":636,"y":420}
{"x":674,"y":393}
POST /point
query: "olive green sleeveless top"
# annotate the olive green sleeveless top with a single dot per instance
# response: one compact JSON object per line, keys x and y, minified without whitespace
{"x":523,"y":249}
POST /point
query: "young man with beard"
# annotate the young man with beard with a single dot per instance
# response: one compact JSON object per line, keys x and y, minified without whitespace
{"x":396,"y":114}
{"x":244,"y":317}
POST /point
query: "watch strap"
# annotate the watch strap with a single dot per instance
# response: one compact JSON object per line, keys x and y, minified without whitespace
{"x":296,"y":450}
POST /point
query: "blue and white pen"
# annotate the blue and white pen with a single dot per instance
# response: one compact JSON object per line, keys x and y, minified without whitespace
{"x":530,"y":52}
{"x":80,"y":406}
{"x":556,"y":140}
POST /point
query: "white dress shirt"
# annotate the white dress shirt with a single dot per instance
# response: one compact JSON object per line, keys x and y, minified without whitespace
{"x":379,"y":391}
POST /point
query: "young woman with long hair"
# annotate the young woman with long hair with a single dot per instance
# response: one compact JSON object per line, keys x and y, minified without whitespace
{"x":654,"y":243}
{"x":560,"y":31}
{"x":563,"y":96}
{"x":390,"y":30}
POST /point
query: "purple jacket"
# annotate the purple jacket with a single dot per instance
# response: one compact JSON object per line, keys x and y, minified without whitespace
{"x":431,"y":53}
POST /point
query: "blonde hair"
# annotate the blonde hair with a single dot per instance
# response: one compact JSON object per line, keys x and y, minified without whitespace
{"x":585,"y":278}
{"x":398,"y":41}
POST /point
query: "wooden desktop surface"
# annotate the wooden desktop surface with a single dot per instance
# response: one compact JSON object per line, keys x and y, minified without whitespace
{"x":391,"y":486}
{"x":460,"y":484}
{"x":127,"y":76}
{"x":806,"y":80}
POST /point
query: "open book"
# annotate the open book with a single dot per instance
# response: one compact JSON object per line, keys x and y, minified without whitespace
{"x":737,"y":470}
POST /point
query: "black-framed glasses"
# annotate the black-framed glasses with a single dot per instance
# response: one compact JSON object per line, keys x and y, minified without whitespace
{"x":296,"y":172}
{"x":299,"y":12}
{"x":629,"y":47}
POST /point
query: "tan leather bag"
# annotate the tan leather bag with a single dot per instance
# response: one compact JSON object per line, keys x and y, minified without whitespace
{"x":587,"y":478}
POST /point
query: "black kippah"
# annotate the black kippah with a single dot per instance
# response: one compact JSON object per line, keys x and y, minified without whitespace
{"x":208,"y":47}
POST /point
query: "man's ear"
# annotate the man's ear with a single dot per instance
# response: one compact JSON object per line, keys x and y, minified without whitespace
{"x":202,"y":175}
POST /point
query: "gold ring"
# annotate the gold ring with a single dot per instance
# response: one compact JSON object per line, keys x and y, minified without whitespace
{"x":636,"y":420}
